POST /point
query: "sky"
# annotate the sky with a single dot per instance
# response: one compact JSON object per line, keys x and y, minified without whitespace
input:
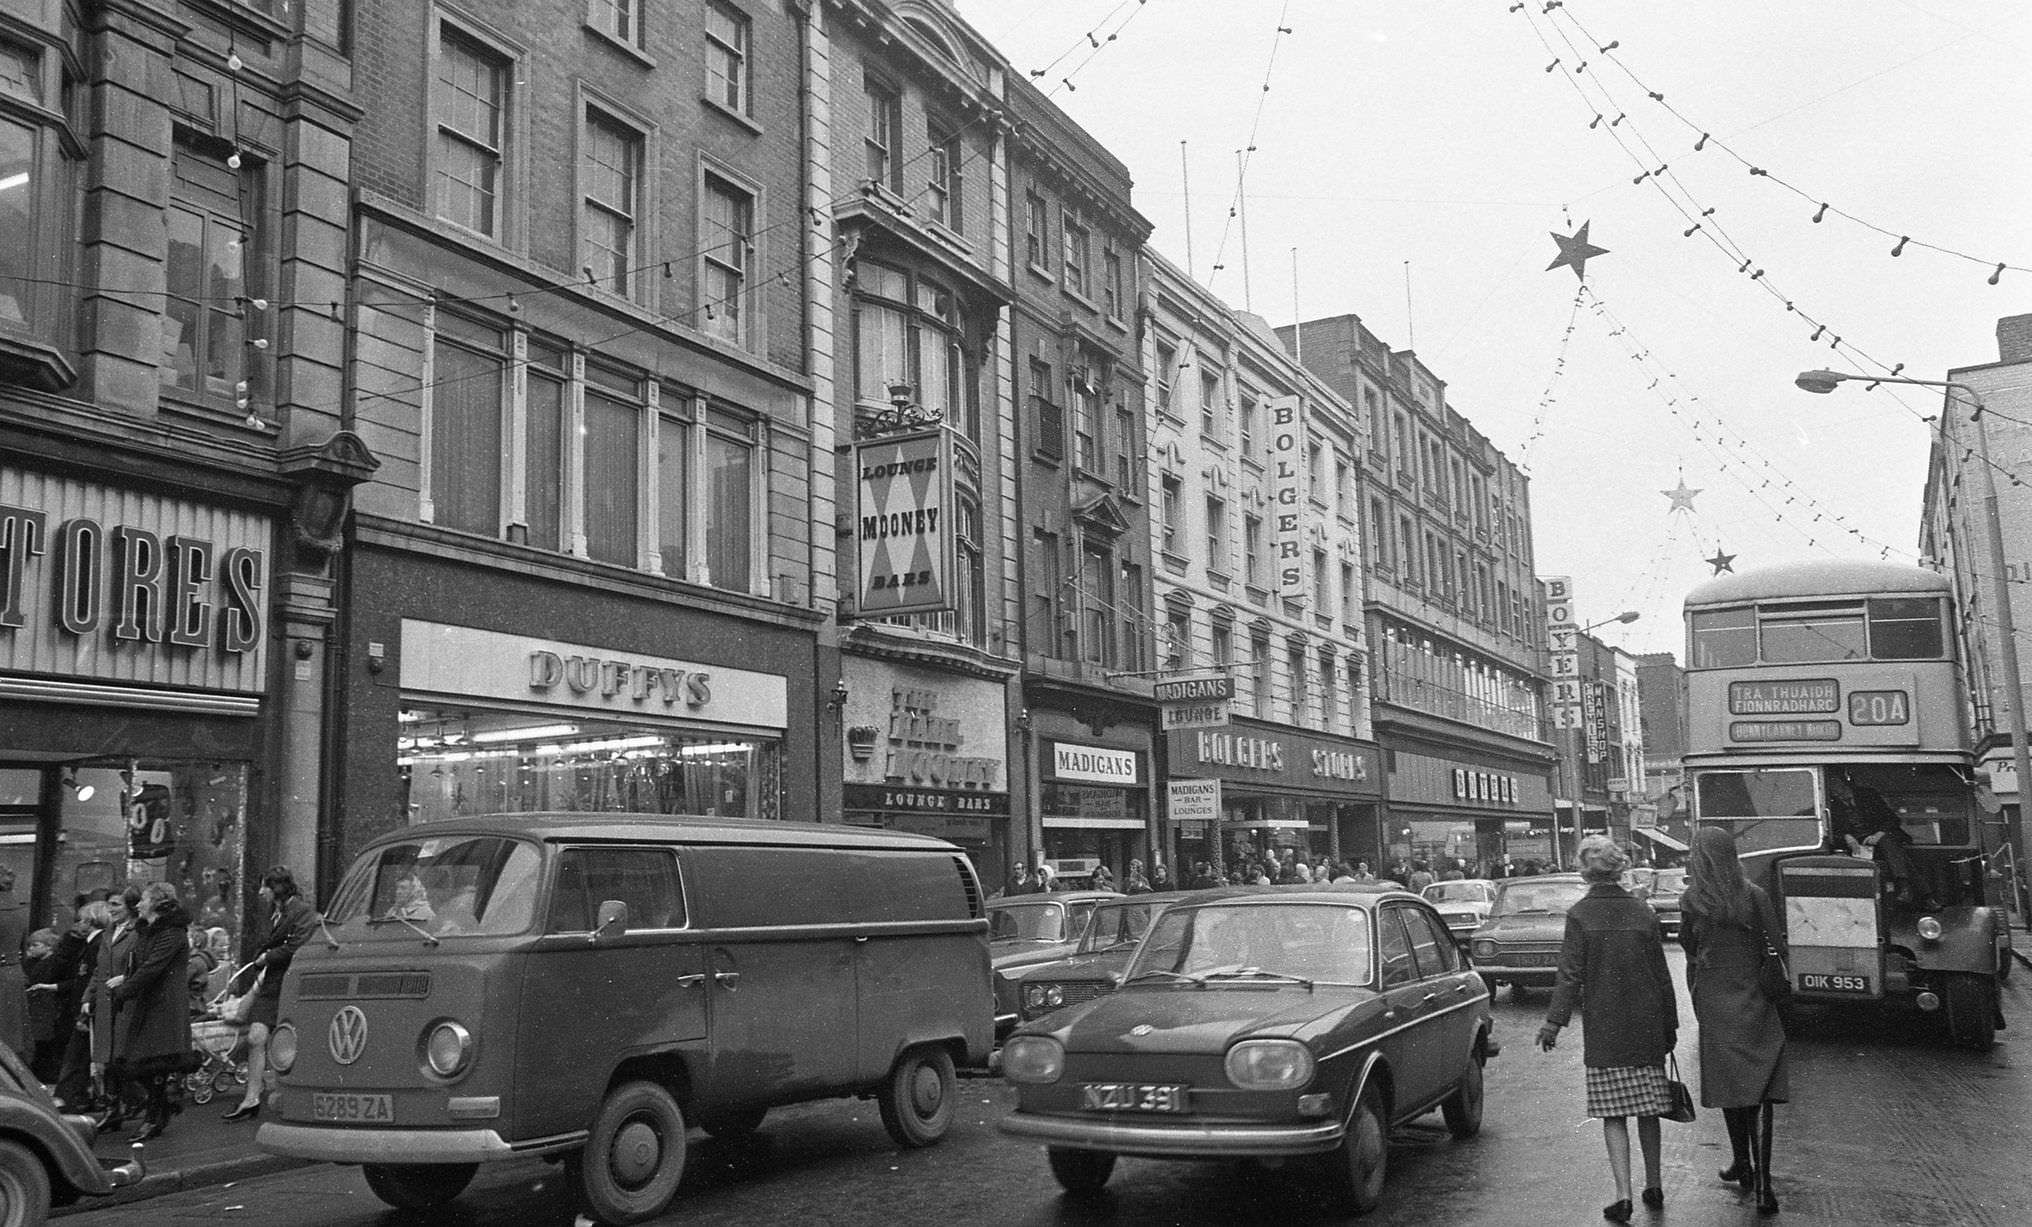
{"x":1412,"y":158}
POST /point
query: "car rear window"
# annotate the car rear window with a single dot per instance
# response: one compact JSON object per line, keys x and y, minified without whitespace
{"x":1553,"y":898}
{"x":1036,"y":922}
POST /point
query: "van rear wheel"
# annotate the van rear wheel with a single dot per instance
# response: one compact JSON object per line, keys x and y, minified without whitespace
{"x":634,"y":1155}
{"x":918,"y":1099}
{"x":418,"y":1186}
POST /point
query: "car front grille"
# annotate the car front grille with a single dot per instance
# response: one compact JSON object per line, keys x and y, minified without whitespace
{"x":1074,"y":994}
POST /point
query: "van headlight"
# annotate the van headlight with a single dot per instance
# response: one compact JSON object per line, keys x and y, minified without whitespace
{"x":447,"y":1049}
{"x":282,"y":1048}
{"x":1033,"y":1059}
{"x":1269,"y":1065}
{"x":1929,"y":928}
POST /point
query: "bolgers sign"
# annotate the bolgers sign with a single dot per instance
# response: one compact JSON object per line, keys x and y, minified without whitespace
{"x":903,"y":530}
{"x":1287,"y":495}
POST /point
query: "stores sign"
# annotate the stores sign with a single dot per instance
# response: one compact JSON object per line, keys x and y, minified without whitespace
{"x":903,"y":529}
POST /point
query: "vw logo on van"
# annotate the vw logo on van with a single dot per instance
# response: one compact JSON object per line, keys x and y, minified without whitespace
{"x":347,"y":1035}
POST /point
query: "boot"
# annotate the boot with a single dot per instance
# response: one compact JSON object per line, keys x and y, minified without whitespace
{"x":1743,"y":1171}
{"x":1767,"y":1201}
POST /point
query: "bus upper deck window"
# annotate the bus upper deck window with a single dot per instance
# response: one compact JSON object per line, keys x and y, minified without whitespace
{"x":1906,"y":628}
{"x":1813,"y":631}
{"x":1724,"y":638}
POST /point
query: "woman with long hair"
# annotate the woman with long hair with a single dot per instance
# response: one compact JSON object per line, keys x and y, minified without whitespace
{"x":289,"y":927}
{"x":1612,"y":965}
{"x":1727,"y":921}
{"x":153,"y":998}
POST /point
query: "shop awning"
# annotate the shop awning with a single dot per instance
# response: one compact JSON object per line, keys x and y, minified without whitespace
{"x":1659,"y":837}
{"x":1094,"y":824}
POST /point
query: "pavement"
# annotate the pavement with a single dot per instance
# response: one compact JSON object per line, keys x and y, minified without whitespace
{"x":198,"y":1150}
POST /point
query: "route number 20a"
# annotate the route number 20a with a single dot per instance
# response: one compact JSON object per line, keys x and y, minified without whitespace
{"x":1879,"y":707}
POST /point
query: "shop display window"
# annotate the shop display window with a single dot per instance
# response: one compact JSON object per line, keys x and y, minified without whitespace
{"x":456,"y":762}
{"x":152,"y":820}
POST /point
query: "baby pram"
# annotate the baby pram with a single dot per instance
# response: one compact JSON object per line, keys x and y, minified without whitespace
{"x":221,"y":1047}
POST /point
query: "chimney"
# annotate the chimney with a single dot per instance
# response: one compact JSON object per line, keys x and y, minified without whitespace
{"x":2014,"y":338}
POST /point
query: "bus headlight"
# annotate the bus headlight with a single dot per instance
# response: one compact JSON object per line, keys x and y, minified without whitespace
{"x":447,"y":1049}
{"x":282,"y":1048}
{"x":1929,"y":928}
{"x":1269,"y":1065}
{"x":1033,"y":1058}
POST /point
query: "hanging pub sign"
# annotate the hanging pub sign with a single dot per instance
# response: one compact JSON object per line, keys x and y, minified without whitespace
{"x":903,"y":530}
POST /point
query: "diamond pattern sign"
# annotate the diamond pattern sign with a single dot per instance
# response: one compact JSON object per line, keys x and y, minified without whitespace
{"x":902,"y":526}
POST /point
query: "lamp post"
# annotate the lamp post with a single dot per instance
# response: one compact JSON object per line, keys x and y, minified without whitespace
{"x":1575,"y":742}
{"x":1822,"y":382}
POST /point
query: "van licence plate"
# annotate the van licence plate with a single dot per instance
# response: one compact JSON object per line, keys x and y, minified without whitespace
{"x":369,"y":1109}
{"x":1132,"y":1097}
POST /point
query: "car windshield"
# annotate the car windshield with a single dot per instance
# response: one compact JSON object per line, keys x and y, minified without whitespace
{"x":457,"y":885}
{"x":1457,"y":892}
{"x":1669,"y":882}
{"x":1549,"y":898}
{"x":1118,"y":924}
{"x":1027,"y":922}
{"x":1307,"y":941}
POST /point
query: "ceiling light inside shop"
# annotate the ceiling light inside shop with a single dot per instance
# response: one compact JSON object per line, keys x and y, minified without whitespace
{"x":590,"y":747}
{"x":531,"y":732}
{"x":732,"y":747}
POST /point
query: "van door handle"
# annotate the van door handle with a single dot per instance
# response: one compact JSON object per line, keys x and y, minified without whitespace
{"x":691,"y":981}
{"x":729,"y":978}
{"x":861,"y":941}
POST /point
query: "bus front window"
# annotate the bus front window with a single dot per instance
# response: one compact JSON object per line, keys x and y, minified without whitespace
{"x":1764,"y":809}
{"x":1724,"y":638}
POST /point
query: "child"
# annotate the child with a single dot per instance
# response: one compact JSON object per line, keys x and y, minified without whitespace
{"x":39,"y":967}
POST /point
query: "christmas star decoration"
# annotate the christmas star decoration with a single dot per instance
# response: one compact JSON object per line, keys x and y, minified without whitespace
{"x":1682,"y":498}
{"x":1721,"y":562}
{"x":1574,"y":250}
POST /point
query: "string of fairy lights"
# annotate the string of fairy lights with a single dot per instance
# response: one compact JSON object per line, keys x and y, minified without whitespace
{"x":1550,"y":397}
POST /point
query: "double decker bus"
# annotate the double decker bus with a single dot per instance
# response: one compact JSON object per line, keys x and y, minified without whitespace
{"x":1808,"y":686}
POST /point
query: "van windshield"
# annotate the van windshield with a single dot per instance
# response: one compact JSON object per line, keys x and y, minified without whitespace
{"x":458,"y":885}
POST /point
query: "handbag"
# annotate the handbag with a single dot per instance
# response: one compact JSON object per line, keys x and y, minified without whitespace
{"x":238,"y":1008}
{"x":1682,"y":1099}
{"x":1774,"y":977}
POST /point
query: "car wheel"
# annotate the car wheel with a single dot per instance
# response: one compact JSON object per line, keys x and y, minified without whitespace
{"x":1081,"y":1173}
{"x":418,"y":1186}
{"x":1364,"y":1155}
{"x":917,"y":1099}
{"x":1463,"y":1108}
{"x":1972,"y":1011}
{"x":634,"y":1155}
{"x":732,"y":1122}
{"x":24,"y":1187}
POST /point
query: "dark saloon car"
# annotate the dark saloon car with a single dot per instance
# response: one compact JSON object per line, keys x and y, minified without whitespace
{"x":1261,"y":1025}
{"x":1519,"y":944}
{"x":1095,"y":966}
{"x":1463,"y":903}
{"x":1025,"y":931}
{"x":46,"y":1156}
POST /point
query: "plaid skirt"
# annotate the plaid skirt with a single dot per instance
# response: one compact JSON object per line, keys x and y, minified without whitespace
{"x":1627,"y":1090}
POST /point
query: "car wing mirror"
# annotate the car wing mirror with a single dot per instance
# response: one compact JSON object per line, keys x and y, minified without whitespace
{"x":613,"y":920}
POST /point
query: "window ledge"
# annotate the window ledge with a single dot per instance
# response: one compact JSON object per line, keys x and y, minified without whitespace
{"x":1041,"y":273}
{"x":245,"y":19}
{"x":35,"y":363}
{"x":627,"y":49}
{"x":1117,"y":323}
{"x":1081,"y":298}
{"x":731,"y":115}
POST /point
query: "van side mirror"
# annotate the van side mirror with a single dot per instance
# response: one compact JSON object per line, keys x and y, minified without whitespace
{"x":613,"y":920}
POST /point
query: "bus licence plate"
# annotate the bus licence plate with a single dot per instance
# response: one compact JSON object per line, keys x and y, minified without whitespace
{"x":1132,"y":1097}
{"x":367,"y":1109}
{"x":1829,"y":982}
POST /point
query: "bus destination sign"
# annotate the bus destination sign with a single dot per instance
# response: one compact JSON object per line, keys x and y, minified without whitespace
{"x":1788,"y":697}
{"x":1785,"y":730}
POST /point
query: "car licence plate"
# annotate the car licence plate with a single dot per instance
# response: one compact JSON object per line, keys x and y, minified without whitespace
{"x":1132,"y":1097}
{"x":366,"y":1109}
{"x":1830,"y":982}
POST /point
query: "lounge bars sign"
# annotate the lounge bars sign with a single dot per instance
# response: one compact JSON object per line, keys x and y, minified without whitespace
{"x":902,"y":524}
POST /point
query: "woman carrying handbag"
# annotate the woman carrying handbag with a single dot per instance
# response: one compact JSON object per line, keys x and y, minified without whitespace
{"x":1730,"y":931}
{"x":289,"y":927}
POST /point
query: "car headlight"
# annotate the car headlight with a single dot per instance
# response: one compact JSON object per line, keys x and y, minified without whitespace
{"x":1269,"y":1065}
{"x":1033,"y":1059}
{"x":282,"y":1048}
{"x":1929,"y":928}
{"x":1054,"y":996}
{"x":1484,"y":948}
{"x":1033,"y":996}
{"x":447,"y":1048}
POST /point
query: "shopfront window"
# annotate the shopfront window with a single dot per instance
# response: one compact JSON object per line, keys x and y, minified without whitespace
{"x":456,"y":762}
{"x":147,"y":820}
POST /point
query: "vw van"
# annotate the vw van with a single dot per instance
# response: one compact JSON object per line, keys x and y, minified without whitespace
{"x":590,"y":986}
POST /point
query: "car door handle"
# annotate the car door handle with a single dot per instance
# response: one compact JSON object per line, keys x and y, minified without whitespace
{"x":1463,"y":987}
{"x":729,"y":978}
{"x":1428,"y":999}
{"x":691,"y":981}
{"x":861,"y":941}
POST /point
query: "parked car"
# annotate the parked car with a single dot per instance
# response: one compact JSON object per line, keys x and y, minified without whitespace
{"x":46,"y":1156}
{"x":1463,"y":903}
{"x":1025,"y":931}
{"x":1519,"y":944}
{"x":1095,"y":965}
{"x":1666,"y":888}
{"x":1262,"y":1025}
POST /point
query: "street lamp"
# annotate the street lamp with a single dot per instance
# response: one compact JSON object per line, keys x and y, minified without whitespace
{"x":1823,"y":382}
{"x":1626,"y":617}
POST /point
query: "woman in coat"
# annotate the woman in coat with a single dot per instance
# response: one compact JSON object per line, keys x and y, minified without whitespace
{"x":114,"y":943}
{"x":1612,"y":963}
{"x":152,"y":1000}
{"x":1742,"y":1038}
{"x":77,"y":951}
{"x":289,"y":927}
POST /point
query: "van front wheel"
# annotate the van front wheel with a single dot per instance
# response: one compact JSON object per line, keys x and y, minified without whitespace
{"x":918,"y":1099}
{"x":418,"y":1186}
{"x":634,"y":1155}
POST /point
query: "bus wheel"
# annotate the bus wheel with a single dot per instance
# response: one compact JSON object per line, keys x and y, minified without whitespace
{"x":1972,"y":1011}
{"x":917,"y":1098}
{"x":634,"y":1155}
{"x":418,"y":1186}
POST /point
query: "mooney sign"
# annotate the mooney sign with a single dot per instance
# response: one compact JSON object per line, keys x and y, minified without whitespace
{"x":903,"y":528}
